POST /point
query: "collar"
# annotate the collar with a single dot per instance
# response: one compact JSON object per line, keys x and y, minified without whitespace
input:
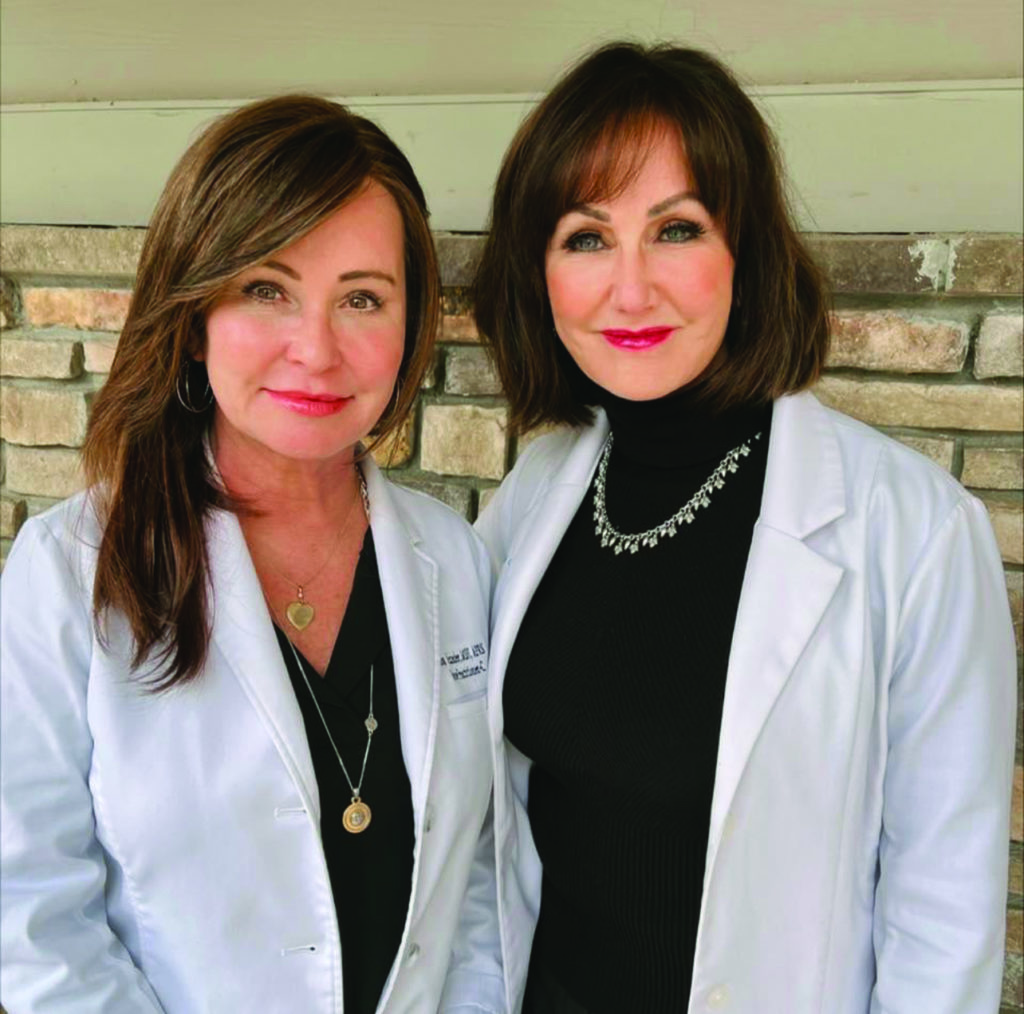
{"x":678,"y":431}
{"x":804,"y":485}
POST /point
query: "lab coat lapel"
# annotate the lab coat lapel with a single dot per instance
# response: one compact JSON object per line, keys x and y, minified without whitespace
{"x":787,"y":586}
{"x":243,"y":635}
{"x":535,"y":544}
{"x":409,"y":582}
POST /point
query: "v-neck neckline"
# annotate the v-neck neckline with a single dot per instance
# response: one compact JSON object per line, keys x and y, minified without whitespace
{"x":362,"y":637}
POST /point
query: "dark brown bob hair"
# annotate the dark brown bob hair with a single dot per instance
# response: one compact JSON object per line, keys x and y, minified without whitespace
{"x":585,"y":143}
{"x":255,"y":181}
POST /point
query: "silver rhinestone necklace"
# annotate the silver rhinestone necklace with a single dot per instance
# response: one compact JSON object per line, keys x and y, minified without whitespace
{"x":620,"y":542}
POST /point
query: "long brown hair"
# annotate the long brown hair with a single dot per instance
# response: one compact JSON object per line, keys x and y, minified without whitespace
{"x":255,"y":181}
{"x":585,"y":142}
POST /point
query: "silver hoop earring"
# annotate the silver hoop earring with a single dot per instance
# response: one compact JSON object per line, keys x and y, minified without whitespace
{"x":186,"y":399}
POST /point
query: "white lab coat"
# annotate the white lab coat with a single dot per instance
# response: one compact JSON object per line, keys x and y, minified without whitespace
{"x":860,"y":821}
{"x":161,"y":852}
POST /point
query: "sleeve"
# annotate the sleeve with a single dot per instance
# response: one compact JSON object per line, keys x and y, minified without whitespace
{"x":940,"y":904}
{"x":58,"y":955}
{"x":475,"y":981}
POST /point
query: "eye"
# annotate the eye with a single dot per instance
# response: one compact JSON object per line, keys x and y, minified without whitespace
{"x":680,"y":232}
{"x":583,"y":242}
{"x":363,"y":300}
{"x":263,"y":292}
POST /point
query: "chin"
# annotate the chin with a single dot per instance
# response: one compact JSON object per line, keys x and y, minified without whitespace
{"x":312,"y":449}
{"x":631,"y":394}
{"x":642,"y":389}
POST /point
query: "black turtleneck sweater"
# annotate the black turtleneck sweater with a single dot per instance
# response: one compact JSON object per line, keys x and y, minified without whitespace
{"x":614,"y":689}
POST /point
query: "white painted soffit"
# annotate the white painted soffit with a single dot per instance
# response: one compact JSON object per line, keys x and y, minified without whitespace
{"x":920,"y":157}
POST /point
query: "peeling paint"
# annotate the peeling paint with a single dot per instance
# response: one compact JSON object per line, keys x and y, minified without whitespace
{"x":934,"y":256}
{"x":954,"y":246}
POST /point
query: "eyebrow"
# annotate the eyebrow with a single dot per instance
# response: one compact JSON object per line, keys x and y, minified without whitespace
{"x":351,"y":276}
{"x":586,"y":209}
{"x":683,"y":195}
{"x":348,"y":276}
{"x":657,"y":209}
{"x":283,"y":268}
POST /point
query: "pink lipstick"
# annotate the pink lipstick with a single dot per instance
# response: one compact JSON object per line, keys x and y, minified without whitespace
{"x":645,"y":338}
{"x":316,"y":405}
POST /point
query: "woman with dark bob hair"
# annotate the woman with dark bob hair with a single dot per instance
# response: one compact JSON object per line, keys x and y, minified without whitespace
{"x":752,"y":668}
{"x":237,"y":775}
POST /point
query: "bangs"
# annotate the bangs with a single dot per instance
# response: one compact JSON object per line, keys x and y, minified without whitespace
{"x":603,"y":166}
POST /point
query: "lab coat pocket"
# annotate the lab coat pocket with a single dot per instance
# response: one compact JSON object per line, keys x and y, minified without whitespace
{"x":471,"y":704}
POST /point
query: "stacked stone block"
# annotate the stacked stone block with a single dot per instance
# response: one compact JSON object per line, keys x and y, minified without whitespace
{"x":929,"y":347}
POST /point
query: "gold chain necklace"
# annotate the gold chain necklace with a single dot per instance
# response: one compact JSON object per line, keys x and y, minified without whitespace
{"x":300,"y":613}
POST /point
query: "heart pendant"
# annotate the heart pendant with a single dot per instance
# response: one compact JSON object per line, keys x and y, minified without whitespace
{"x":300,"y":614}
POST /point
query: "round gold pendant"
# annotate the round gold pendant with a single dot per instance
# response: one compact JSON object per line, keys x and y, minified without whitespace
{"x":356,"y":817}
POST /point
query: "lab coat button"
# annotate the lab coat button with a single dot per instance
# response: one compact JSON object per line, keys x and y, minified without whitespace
{"x":414,"y":953}
{"x":718,"y":998}
{"x":428,"y":820}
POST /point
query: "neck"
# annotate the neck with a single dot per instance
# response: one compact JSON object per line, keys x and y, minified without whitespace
{"x":272,"y":486}
{"x":676,"y":430}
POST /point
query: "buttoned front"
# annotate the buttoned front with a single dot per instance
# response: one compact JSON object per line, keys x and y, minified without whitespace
{"x":145,"y":832}
{"x":718,"y":998}
{"x":857,"y":849}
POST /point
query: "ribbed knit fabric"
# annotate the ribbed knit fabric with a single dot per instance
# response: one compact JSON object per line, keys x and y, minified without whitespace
{"x":614,"y":689}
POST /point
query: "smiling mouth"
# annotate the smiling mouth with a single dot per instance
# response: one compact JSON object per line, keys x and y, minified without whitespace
{"x":645,"y":338}
{"x":305,"y":403}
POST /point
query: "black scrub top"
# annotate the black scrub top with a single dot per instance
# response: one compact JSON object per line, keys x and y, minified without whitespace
{"x":371,"y":872}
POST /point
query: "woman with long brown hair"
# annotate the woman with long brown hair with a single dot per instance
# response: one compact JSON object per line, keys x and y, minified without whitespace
{"x":752,"y":670}
{"x":239,"y":773}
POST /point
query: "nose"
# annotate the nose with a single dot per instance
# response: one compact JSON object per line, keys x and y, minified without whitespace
{"x":632,"y":287}
{"x":316,"y":344}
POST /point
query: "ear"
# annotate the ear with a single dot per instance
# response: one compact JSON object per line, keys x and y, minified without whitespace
{"x":196,"y":349}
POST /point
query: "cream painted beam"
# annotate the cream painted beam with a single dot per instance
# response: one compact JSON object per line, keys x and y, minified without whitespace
{"x":921,"y":157}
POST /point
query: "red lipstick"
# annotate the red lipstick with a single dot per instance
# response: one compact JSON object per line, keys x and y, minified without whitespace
{"x":305,"y":403}
{"x":645,"y":338}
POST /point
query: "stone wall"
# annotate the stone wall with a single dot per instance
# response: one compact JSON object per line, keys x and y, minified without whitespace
{"x":928,"y":348}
